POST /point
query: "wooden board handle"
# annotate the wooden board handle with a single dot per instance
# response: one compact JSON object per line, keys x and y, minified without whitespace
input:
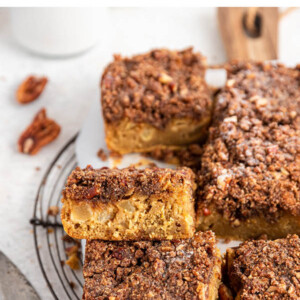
{"x":249,"y":33}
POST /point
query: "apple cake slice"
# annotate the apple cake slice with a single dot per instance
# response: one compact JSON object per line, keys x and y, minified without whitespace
{"x":249,"y":182}
{"x":129,"y":204}
{"x":155,"y":100}
{"x":265,"y":269}
{"x":170,"y":270}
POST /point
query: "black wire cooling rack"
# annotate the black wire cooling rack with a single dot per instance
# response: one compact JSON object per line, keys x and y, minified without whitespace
{"x":63,"y":282}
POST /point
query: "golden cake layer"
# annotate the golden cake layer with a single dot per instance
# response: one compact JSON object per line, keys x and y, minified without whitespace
{"x":155,"y":100}
{"x":129,"y":204}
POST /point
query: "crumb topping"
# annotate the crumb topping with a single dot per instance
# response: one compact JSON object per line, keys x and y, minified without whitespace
{"x":189,"y":156}
{"x":251,"y":162}
{"x":107,"y":185}
{"x":156,"y":87}
{"x":143,"y":270}
{"x":267,"y":269}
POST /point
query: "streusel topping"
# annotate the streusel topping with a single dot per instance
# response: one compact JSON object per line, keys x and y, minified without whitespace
{"x":144,"y":270}
{"x":107,"y":185}
{"x":156,"y":87}
{"x":267,"y":269}
{"x":251,"y":163}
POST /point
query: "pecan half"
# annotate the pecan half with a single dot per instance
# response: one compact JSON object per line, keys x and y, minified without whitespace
{"x":30,"y":89}
{"x":39,"y":133}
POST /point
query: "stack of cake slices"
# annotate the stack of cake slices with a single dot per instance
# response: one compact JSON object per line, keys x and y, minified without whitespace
{"x":151,"y":233}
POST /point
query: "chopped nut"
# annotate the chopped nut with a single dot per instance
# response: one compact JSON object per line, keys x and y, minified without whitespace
{"x":53,"y":211}
{"x":230,"y":82}
{"x":251,"y":75}
{"x":272,"y":289}
{"x":39,"y":133}
{"x":223,"y":181}
{"x":259,"y":101}
{"x":236,"y":223}
{"x":165,"y":78}
{"x":284,"y":171}
{"x":31,"y":89}
{"x":232,"y":119}
{"x":173,"y":87}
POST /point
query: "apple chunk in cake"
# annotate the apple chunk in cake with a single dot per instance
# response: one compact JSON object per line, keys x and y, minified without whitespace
{"x":129,"y":204}
{"x":155,"y":100}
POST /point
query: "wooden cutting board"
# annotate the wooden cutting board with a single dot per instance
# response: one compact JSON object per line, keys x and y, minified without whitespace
{"x":249,"y":33}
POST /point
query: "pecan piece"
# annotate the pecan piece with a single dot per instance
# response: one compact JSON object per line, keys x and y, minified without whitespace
{"x":39,"y":133}
{"x":30,"y":89}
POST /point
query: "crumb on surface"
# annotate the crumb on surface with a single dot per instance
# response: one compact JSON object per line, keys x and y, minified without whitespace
{"x":73,"y":262}
{"x":102,"y":155}
{"x":115,"y":154}
{"x":53,"y":210}
{"x":144,"y":162}
{"x":73,"y":253}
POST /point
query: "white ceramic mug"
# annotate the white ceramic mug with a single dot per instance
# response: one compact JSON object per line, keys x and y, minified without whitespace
{"x":58,"y":31}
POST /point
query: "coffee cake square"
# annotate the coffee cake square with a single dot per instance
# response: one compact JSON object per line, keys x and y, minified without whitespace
{"x":265,"y":269}
{"x":249,"y":182}
{"x":129,"y":204}
{"x":171,"y":270}
{"x":155,"y":100}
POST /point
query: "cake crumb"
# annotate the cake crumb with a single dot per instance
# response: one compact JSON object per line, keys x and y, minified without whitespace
{"x":73,"y":257}
{"x":115,"y":154}
{"x":66,"y":238}
{"x":227,"y":240}
{"x":72,"y":285}
{"x":263,"y":237}
{"x":102,"y":155}
{"x":144,"y":162}
{"x":53,"y":211}
{"x":73,"y":262}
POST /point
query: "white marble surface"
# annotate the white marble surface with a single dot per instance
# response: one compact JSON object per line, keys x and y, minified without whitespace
{"x":73,"y":85}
